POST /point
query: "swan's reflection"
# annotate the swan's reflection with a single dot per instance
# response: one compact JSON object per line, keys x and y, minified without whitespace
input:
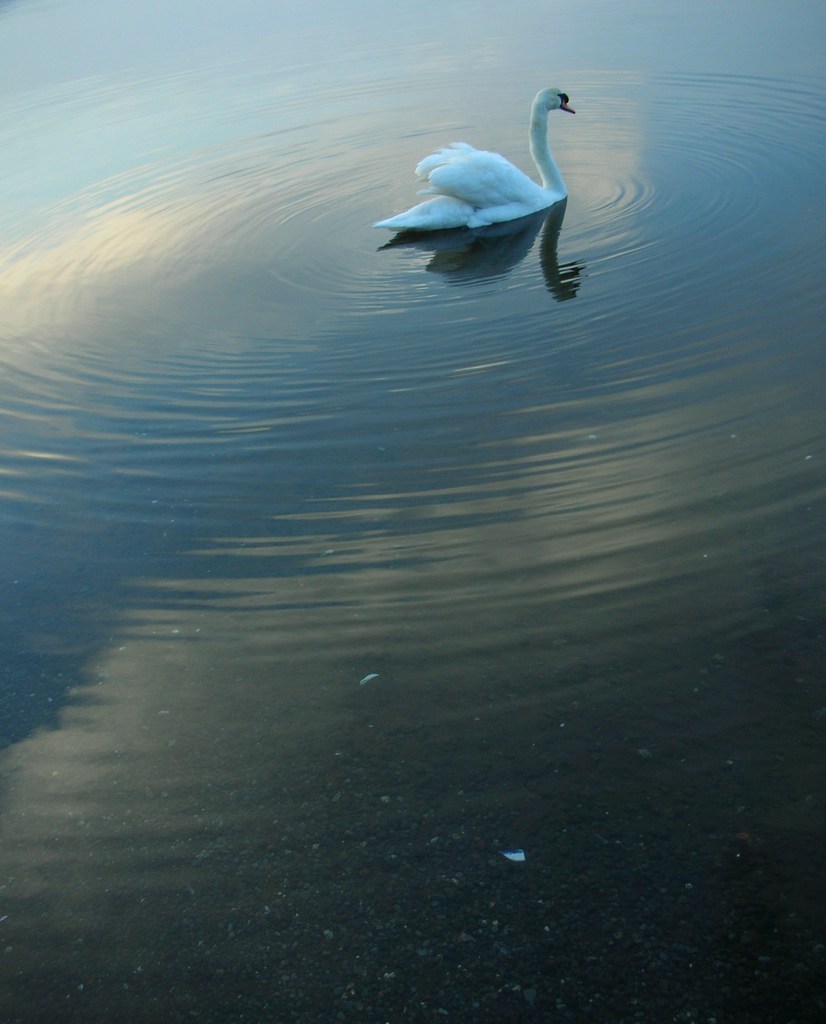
{"x":464,"y":255}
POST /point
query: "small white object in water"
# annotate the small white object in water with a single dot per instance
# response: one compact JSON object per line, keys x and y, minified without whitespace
{"x":368,"y":678}
{"x":517,"y":855}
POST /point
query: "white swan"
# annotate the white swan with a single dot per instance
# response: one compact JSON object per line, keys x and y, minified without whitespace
{"x":474,"y":188}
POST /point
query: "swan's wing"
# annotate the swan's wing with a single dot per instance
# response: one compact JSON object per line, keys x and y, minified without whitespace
{"x":474,"y":176}
{"x":453,"y":153}
{"x":472,"y":188}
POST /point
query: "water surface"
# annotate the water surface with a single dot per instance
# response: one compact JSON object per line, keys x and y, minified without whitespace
{"x":557,"y":489}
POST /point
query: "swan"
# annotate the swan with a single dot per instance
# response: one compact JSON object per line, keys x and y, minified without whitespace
{"x":473,"y":188}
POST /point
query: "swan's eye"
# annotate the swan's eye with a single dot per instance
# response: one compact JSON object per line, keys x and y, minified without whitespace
{"x":564,"y":97}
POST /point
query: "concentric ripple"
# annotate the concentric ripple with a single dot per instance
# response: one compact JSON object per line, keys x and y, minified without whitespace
{"x":212,"y":331}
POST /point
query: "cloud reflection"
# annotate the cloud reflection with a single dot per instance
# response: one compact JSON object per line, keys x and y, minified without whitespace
{"x":489,"y":542}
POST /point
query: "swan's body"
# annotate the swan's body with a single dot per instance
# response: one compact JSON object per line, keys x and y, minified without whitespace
{"x":473,"y":188}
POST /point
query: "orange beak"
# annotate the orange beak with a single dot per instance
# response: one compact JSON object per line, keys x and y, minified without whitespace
{"x":564,"y":106}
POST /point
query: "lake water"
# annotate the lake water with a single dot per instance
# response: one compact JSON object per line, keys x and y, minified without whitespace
{"x":332,"y":568}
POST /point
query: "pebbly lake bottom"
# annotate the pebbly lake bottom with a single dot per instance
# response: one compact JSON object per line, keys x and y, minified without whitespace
{"x":339,"y":857}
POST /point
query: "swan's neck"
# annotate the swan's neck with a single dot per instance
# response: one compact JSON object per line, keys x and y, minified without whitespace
{"x":541,"y":151}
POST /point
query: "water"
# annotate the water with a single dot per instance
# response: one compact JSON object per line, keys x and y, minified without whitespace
{"x":561,"y":488}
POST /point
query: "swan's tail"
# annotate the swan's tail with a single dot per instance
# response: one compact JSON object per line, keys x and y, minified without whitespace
{"x":433,"y":215}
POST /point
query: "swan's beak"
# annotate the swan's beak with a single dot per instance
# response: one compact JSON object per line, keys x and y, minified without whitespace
{"x":564,"y":106}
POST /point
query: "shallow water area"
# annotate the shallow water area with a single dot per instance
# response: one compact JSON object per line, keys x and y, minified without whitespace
{"x":338,"y":563}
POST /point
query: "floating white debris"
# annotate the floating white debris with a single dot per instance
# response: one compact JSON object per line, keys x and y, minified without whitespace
{"x":517,"y":855}
{"x":370,"y":676}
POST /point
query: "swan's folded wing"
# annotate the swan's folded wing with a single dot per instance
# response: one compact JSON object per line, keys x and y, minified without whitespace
{"x":475,"y":176}
{"x":449,"y":154}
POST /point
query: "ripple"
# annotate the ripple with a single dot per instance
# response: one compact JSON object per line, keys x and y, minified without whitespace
{"x":218,"y":334}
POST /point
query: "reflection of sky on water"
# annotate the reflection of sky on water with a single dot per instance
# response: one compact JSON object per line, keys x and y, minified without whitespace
{"x":92,"y":37}
{"x":268,"y":435}
{"x":47,"y":51}
{"x":151,"y":179}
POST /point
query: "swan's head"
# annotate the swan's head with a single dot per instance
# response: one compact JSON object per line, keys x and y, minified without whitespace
{"x":553,"y":99}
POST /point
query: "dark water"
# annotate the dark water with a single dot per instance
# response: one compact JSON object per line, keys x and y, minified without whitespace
{"x":559,"y":487}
